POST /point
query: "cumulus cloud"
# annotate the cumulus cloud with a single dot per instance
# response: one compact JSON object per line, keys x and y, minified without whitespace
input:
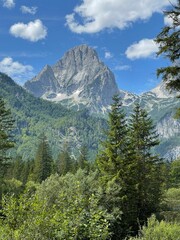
{"x":32,"y":31}
{"x":143,"y":49}
{"x":97,"y":15}
{"x":8,"y":3}
{"x":16,"y":70}
{"x":108,"y":55}
{"x":30,"y":10}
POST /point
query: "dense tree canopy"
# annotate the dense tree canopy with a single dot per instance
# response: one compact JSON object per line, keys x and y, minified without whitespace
{"x":43,"y":161}
{"x":6,"y":124}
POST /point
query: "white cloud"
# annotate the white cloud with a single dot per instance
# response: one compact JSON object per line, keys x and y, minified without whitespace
{"x":16,"y":70}
{"x":97,"y":15}
{"x":108,"y":55}
{"x":143,"y":49}
{"x":30,"y":10}
{"x":33,"y":31}
{"x":122,"y":68}
{"x":8,"y":3}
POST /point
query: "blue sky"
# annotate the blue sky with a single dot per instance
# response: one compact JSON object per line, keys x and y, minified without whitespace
{"x":38,"y":32}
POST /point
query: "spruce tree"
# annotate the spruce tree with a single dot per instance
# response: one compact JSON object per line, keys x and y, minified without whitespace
{"x":6,"y":125}
{"x":110,"y":158}
{"x":147,"y":166}
{"x":64,"y":162}
{"x":43,"y":161}
{"x":112,"y":164}
{"x":83,"y":158}
{"x":131,"y":174}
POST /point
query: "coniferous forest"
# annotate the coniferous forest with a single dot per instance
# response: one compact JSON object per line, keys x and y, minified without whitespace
{"x":126,"y":192}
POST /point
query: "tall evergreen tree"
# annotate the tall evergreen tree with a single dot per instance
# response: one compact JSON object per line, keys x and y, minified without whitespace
{"x":83,"y":158}
{"x":113,"y":151}
{"x":64,"y":162}
{"x":130,"y":172}
{"x":43,"y":161}
{"x":169,"y":46}
{"x":6,"y":125}
{"x":112,"y":164}
{"x":147,"y":174}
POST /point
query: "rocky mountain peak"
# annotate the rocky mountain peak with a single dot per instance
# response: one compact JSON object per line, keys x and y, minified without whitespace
{"x":79,"y":77}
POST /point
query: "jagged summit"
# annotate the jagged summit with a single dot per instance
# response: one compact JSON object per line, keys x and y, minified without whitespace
{"x":79,"y":78}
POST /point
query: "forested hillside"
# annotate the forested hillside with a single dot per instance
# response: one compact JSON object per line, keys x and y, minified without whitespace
{"x":34,"y":116}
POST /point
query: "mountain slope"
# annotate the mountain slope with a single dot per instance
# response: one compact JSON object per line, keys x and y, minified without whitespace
{"x":35,"y":116}
{"x":161,"y":106}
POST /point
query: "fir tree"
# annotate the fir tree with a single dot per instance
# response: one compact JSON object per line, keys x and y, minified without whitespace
{"x":43,"y":161}
{"x":113,"y":151}
{"x":131,"y":174}
{"x":83,"y":158}
{"x":6,"y":125}
{"x":64,"y":162}
{"x":147,"y":174}
{"x":112,"y":163}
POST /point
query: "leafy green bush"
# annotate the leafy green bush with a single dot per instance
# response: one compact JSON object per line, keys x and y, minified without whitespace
{"x":64,"y":207}
{"x":156,"y":230}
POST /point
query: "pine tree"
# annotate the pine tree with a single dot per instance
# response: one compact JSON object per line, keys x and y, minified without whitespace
{"x":6,"y":125}
{"x":64,"y":162}
{"x":43,"y":161}
{"x":169,"y":46}
{"x":147,"y":175}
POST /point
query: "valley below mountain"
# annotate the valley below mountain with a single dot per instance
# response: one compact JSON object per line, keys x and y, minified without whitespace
{"x":70,"y":100}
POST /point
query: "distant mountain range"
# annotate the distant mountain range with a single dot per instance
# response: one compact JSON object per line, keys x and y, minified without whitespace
{"x":80,"y":81}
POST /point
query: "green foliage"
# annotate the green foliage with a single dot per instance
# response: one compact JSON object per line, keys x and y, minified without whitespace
{"x":65,"y":207}
{"x":147,"y":167}
{"x":43,"y":161}
{"x":131,"y":174}
{"x":64,"y":163}
{"x":175,"y":173}
{"x":6,"y":125}
{"x":83,"y":158}
{"x":171,"y":205}
{"x":169,"y":46}
{"x":36,"y":116}
{"x":159,"y":230}
{"x":110,"y":158}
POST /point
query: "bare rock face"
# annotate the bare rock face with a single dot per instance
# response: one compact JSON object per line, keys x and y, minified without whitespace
{"x":45,"y":81}
{"x":79,"y":77}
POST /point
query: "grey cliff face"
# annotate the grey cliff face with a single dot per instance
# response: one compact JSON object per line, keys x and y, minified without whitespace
{"x":78,"y":77}
{"x":45,"y":81}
